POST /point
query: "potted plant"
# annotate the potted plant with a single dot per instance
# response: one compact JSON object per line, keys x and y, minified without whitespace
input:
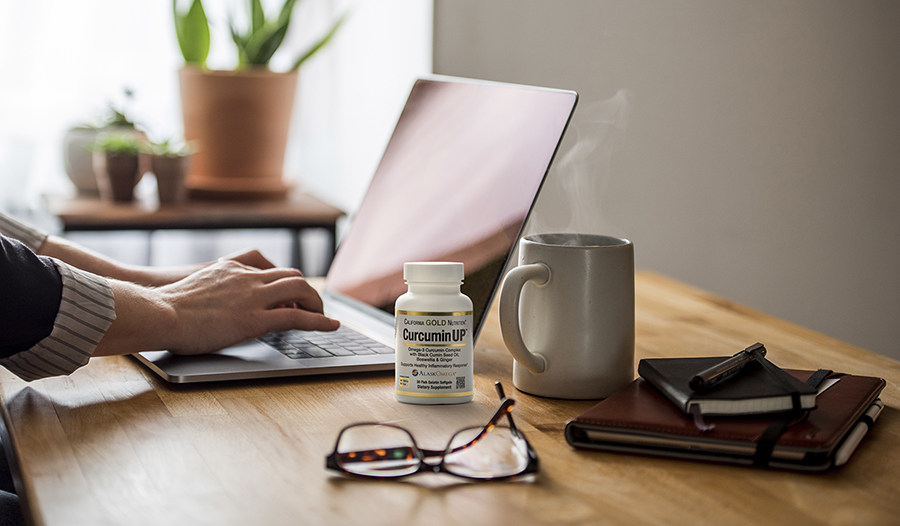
{"x":117,"y":165}
{"x":169,"y":162}
{"x":77,"y":143}
{"x":238,"y":119}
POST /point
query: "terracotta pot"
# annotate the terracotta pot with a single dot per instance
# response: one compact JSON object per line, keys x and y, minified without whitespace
{"x":117,"y":175}
{"x":170,"y":174}
{"x":238,"y":122}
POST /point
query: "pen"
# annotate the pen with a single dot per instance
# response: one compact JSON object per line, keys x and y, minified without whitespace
{"x":842,"y":455}
{"x":724,"y":370}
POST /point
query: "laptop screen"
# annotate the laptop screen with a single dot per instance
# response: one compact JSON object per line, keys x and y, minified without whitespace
{"x":456,"y":183}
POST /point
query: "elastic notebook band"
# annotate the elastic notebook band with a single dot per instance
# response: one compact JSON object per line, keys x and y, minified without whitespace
{"x":767,"y":441}
{"x":773,"y":432}
{"x":817,"y":377}
{"x":796,"y":406}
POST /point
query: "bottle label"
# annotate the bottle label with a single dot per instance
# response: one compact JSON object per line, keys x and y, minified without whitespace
{"x":434,"y":354}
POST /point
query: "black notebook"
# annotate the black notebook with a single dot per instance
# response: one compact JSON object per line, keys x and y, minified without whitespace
{"x":755,"y":390}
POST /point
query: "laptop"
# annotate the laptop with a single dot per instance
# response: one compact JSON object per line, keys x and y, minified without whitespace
{"x":456,"y":182}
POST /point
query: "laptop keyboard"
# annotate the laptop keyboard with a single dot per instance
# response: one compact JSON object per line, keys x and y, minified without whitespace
{"x":312,"y":344}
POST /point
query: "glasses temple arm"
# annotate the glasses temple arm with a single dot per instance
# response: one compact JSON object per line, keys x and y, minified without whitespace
{"x":512,"y":423}
{"x":502,"y":411}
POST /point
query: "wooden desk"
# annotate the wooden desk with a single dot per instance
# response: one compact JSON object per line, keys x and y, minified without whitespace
{"x":300,"y":211}
{"x":112,"y":444}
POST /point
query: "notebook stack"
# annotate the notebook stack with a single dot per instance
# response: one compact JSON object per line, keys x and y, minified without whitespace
{"x":803,"y":420}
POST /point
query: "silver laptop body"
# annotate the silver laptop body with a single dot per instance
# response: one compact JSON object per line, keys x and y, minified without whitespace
{"x":456,"y":182}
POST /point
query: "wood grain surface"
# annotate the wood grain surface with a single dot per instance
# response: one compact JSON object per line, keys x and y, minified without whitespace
{"x":113,"y":444}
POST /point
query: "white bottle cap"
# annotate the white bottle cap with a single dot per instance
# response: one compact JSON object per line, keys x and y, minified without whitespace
{"x":433,"y":271}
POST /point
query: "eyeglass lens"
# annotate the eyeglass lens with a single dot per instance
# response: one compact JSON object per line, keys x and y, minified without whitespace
{"x":500,"y":453}
{"x":375,"y":450}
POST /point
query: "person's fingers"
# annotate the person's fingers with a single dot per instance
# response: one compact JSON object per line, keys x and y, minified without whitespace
{"x":287,"y":319}
{"x":275,"y":274}
{"x":293,"y":291}
{"x":251,"y":258}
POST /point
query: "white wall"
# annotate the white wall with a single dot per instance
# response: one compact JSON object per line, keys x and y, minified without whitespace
{"x":761,"y":157}
{"x":350,"y":97}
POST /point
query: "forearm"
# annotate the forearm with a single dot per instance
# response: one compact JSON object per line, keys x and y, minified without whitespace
{"x":80,"y":257}
{"x":144,"y":321}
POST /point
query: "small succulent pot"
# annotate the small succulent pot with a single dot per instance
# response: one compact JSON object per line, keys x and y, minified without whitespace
{"x":170,"y":172}
{"x":117,"y":175}
{"x":118,"y":165}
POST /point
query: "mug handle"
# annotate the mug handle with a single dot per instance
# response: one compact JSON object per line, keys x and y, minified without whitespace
{"x":510,"y":293}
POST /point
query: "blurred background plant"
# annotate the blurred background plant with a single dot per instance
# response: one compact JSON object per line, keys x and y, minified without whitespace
{"x":79,"y":141}
{"x":119,"y":144}
{"x":256,"y":43}
{"x":170,"y":160}
{"x":118,"y":164}
{"x":116,"y":115}
{"x":170,"y":147}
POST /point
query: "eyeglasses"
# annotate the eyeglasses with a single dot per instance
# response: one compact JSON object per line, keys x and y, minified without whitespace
{"x":491,"y":452}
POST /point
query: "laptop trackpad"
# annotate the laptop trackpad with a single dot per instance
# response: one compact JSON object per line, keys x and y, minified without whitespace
{"x":244,"y":357}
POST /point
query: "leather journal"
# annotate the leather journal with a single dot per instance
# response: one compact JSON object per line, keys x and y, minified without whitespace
{"x":638,"y":419}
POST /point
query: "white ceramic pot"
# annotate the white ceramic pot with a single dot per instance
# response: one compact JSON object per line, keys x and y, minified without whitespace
{"x":78,"y":161}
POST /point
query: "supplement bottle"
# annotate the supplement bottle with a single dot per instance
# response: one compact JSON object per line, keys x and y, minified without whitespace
{"x":433,"y":332}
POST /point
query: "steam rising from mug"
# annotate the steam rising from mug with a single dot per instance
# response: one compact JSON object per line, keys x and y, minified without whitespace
{"x":570,"y":199}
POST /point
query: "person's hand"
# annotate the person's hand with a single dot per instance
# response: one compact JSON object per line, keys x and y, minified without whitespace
{"x":229,"y":302}
{"x":225,"y":303}
{"x":251,"y":258}
{"x":158,"y":276}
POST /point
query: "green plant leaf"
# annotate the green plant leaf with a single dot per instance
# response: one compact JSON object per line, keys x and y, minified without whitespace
{"x":265,"y":42}
{"x":240,"y":43}
{"x":257,"y":16}
{"x":192,"y":30}
{"x":121,"y":143}
{"x":168,"y":148}
{"x":286,"y":11}
{"x":179,"y":24}
{"x":320,"y":44}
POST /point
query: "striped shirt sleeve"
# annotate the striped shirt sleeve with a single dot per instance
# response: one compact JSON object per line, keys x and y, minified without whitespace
{"x":85,"y":313}
{"x":28,"y":235}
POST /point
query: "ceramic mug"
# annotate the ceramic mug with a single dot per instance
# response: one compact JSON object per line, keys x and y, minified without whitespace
{"x":567,"y":315}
